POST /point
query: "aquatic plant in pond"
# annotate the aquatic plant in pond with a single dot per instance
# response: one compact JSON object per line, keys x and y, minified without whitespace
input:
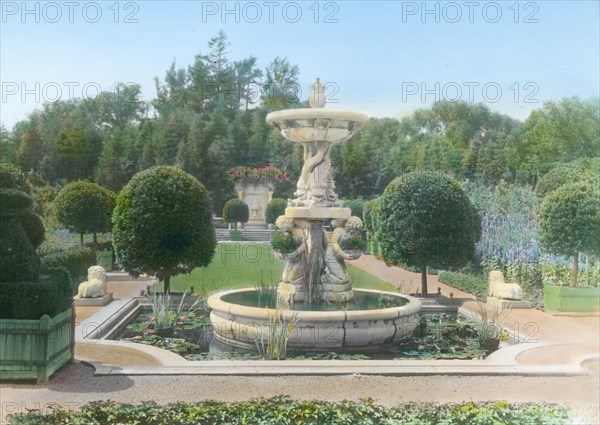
{"x":278,"y":336}
{"x":444,"y":336}
{"x":266,"y":292}
{"x":165,"y":315}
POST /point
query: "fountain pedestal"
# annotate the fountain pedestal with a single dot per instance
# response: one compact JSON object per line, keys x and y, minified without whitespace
{"x":316,"y":204}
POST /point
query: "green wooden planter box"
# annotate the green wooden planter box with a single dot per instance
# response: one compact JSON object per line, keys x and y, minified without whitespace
{"x":235,"y":235}
{"x":567,"y":299}
{"x":35,"y":349}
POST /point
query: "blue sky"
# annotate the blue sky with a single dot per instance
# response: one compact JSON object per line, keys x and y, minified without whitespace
{"x":385,"y":58}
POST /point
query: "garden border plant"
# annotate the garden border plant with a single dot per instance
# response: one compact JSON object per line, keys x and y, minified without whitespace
{"x":283,"y":410}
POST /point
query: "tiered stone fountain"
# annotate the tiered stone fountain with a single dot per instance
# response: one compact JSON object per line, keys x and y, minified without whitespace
{"x":315,"y":288}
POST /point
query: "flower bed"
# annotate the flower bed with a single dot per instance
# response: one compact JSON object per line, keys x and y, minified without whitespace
{"x":268,"y":174}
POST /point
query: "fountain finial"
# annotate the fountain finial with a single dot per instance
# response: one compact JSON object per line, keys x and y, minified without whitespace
{"x":317,"y":98}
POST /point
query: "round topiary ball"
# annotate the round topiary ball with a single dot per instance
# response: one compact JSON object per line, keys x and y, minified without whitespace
{"x":236,"y":211}
{"x":427,"y":219}
{"x":84,"y":207}
{"x":275,"y":208}
{"x":162,"y":224}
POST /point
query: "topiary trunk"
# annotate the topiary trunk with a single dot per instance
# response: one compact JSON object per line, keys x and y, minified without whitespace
{"x":575,"y":269}
{"x":167,"y":286}
{"x":81,"y":239}
{"x":424,"y":280}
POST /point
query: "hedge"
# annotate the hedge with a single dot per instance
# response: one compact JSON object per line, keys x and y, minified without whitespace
{"x":283,"y":410}
{"x":476,"y":285}
{"x":75,"y":260}
{"x":356,"y":206}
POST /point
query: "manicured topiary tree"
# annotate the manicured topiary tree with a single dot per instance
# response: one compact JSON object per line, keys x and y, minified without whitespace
{"x":569,"y":222}
{"x":427,"y":219}
{"x":275,"y":208}
{"x":21,"y":230}
{"x":85,"y":207}
{"x":162,"y":224}
{"x":235,"y":211}
{"x":25,"y":294}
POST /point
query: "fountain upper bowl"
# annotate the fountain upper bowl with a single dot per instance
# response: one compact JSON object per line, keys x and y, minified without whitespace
{"x":306,"y":125}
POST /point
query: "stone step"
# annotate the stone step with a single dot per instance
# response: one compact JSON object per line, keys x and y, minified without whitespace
{"x":248,"y":234}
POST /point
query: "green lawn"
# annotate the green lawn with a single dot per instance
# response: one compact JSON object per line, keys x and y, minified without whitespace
{"x":243,"y":265}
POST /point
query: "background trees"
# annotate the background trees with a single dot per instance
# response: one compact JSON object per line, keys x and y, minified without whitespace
{"x":427,"y":219}
{"x":210,"y":116}
{"x":162,"y":224}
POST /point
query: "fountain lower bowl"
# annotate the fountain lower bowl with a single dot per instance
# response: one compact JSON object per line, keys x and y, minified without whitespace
{"x":359,"y":330}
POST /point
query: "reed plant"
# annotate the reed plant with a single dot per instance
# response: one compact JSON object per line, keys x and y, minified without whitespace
{"x":279,"y":331}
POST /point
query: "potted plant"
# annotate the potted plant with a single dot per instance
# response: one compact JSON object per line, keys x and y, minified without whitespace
{"x":353,"y":245}
{"x":36,"y":315}
{"x":569,"y":221}
{"x":284,"y":243}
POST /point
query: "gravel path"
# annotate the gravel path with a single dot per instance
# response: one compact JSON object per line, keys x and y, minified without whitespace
{"x":75,"y":385}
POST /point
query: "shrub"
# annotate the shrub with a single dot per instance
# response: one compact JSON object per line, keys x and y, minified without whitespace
{"x":84,"y":207}
{"x":284,"y":410}
{"x":427,"y":219}
{"x":569,"y":221}
{"x":75,"y":260}
{"x":11,"y":177}
{"x":15,"y":201}
{"x":235,"y":211}
{"x":476,"y":285}
{"x":356,"y":206}
{"x":24,"y":294}
{"x":275,"y":208}
{"x":162,"y":224}
{"x":33,"y":227}
{"x":31,"y":300}
{"x":371,"y":209}
{"x":17,"y":255}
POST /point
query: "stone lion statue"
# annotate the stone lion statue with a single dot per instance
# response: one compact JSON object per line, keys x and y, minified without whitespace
{"x":498,"y":288}
{"x":95,"y":286}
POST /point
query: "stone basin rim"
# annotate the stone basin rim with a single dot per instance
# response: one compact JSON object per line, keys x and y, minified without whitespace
{"x":216,"y":303}
{"x":308,"y":113}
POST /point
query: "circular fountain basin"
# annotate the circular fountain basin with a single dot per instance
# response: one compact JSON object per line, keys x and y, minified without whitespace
{"x":305,"y":125}
{"x":374,"y":320}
